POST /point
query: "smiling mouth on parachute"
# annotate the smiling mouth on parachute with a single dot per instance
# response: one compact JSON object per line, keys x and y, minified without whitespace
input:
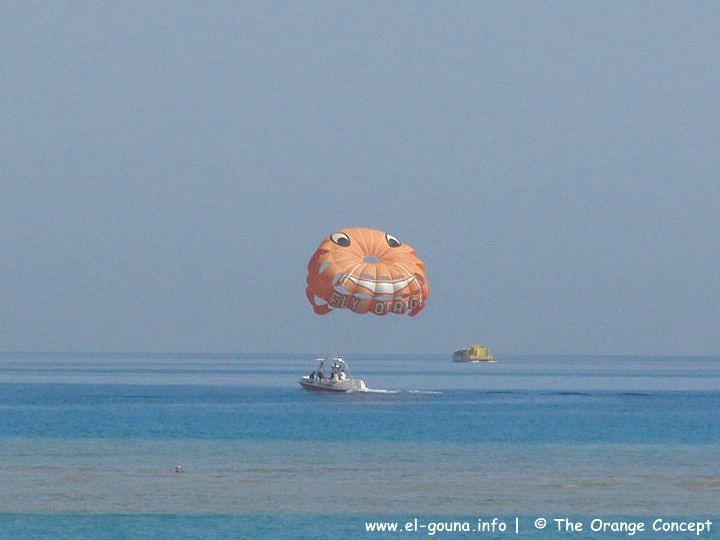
{"x":378,"y":286}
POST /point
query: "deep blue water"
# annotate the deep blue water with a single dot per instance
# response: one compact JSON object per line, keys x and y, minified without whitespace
{"x":464,"y":416}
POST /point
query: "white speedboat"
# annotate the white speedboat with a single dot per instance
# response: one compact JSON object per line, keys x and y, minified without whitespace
{"x":339,"y":379}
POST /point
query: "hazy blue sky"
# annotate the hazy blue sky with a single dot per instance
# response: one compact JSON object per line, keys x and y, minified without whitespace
{"x":168,"y":168}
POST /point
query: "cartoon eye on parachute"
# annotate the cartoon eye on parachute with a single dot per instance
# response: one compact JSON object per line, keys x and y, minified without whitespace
{"x":366,"y":271}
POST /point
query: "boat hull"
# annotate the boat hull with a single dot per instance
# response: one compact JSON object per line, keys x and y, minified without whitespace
{"x":348,"y":385}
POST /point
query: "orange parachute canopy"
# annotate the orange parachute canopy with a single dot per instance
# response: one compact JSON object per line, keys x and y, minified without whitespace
{"x":366,"y":271}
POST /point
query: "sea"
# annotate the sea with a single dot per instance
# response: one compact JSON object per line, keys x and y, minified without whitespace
{"x":207,"y":446}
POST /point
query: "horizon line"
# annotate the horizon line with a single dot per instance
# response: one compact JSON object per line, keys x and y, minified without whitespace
{"x":356,"y":353}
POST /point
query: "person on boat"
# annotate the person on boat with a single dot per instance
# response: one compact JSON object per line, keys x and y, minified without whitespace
{"x":320,"y":374}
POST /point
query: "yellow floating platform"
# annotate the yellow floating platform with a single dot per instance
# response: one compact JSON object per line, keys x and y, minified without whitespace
{"x":473,"y":353}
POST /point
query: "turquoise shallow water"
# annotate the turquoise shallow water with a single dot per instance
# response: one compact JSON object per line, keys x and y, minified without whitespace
{"x":88,"y":445}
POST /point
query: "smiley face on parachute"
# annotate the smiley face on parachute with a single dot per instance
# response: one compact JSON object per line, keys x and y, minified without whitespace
{"x":366,"y":271}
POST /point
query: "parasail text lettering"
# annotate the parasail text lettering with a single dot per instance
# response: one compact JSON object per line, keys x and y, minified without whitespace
{"x":398,"y":305}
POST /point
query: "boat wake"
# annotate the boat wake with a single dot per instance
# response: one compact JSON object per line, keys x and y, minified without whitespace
{"x":378,"y":391}
{"x":383,"y":391}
